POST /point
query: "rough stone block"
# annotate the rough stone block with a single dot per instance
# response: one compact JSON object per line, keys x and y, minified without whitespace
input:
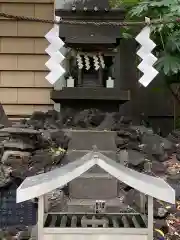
{"x":103,"y":140}
{"x":94,"y":186}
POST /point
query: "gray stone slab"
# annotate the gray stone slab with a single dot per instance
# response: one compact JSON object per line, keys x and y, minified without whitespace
{"x":85,"y":140}
{"x":13,"y":130}
{"x":94,"y":186}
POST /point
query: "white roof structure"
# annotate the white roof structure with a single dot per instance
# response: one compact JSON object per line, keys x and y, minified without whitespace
{"x":41,"y":184}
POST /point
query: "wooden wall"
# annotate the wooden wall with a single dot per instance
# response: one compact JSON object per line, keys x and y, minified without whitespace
{"x":23,"y":87}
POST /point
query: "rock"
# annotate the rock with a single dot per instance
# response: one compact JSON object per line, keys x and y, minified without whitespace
{"x":175,"y":184}
{"x":178,"y":156}
{"x":142,"y":129}
{"x":82,"y":119}
{"x":107,"y":122}
{"x":14,"y":156}
{"x":60,"y":139}
{"x":120,"y":142}
{"x":153,"y":146}
{"x":14,"y":131}
{"x":133,"y":199}
{"x":4,"y":121}
{"x":135,"y":158}
{"x":38,"y":115}
{"x":96,"y":118}
{"x":158,"y":168}
{"x":167,"y":145}
{"x":126,"y":120}
{"x":175,"y":176}
{"x":17,"y":144}
{"x":4,"y":175}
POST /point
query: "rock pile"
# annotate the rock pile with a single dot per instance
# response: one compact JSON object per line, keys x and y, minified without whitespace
{"x":39,"y":144}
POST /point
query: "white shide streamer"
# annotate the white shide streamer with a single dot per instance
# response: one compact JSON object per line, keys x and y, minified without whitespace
{"x":56,"y":57}
{"x":87,"y":62}
{"x":148,"y":59}
{"x":79,"y":61}
{"x":101,"y":61}
{"x":96,"y":62}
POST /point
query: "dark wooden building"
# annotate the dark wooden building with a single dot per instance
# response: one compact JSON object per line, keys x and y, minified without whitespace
{"x":94,"y":62}
{"x":103,"y":67}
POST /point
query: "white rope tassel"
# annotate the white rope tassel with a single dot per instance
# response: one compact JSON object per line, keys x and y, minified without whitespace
{"x":96,"y":62}
{"x":87,"y":62}
{"x":79,"y":61}
{"x":101,"y":61}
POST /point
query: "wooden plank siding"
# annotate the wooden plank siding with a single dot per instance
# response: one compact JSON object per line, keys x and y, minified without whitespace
{"x":23,"y":87}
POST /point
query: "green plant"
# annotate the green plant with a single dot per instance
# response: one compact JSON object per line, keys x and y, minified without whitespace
{"x":166,"y":36}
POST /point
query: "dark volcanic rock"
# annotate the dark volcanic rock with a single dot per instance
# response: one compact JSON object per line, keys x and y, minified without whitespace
{"x":135,"y":158}
{"x":158,"y":168}
{"x":96,"y":118}
{"x":37,"y":145}
{"x":154,"y":146}
{"x":60,"y":139}
{"x":107,"y":122}
{"x":133,"y":199}
{"x":174,"y":183}
{"x":4,"y":121}
{"x":4,"y":175}
{"x":82,"y":119}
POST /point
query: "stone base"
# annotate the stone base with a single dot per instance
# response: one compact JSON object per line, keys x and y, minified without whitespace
{"x":79,"y":98}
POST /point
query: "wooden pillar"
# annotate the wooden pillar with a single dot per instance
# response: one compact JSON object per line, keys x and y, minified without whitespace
{"x":46,"y":203}
{"x":142,"y":202}
{"x":150,"y":218}
{"x":40,"y":217}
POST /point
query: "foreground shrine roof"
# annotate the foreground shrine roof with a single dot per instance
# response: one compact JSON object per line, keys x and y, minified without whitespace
{"x":43,"y":183}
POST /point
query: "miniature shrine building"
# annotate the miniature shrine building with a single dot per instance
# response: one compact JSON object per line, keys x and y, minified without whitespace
{"x":92,"y":63}
{"x":97,"y":222}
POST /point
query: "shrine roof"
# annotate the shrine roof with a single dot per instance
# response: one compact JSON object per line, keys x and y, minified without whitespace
{"x":81,"y":4}
{"x":43,"y":183}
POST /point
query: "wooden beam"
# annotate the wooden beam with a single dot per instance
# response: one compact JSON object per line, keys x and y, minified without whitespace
{"x":40,"y":217}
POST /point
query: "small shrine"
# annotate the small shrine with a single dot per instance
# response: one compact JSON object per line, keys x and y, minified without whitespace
{"x":92,"y":207}
{"x":92,"y":61}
